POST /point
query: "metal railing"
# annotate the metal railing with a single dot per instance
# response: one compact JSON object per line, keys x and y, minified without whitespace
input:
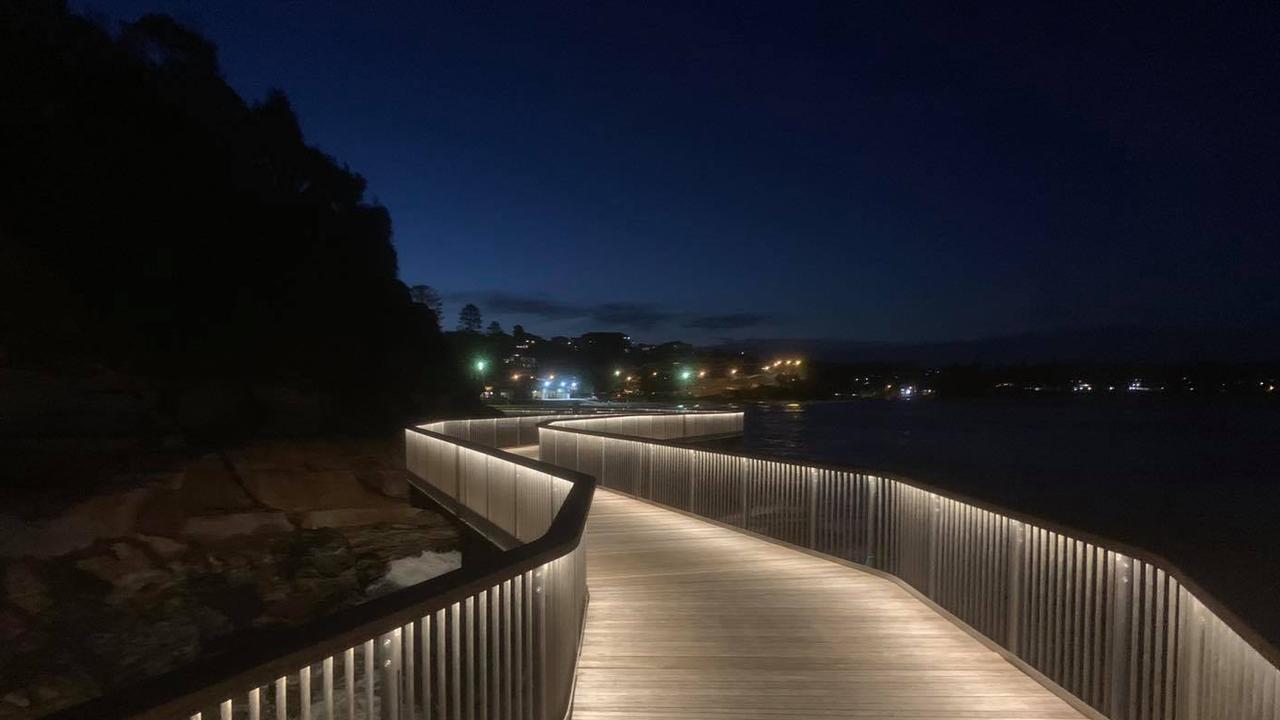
{"x":1120,"y":629}
{"x":494,"y":639}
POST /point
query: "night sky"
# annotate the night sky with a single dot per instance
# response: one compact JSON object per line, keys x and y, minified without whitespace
{"x":786,"y":170}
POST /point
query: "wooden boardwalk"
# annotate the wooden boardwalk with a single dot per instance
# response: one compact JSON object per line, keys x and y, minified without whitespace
{"x":691,"y":620}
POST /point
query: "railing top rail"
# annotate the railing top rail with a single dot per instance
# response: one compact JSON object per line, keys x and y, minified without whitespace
{"x":1237,"y":624}
{"x":265,"y":655}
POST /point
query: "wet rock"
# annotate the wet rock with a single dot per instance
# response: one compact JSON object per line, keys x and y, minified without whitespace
{"x":164,"y":547}
{"x":162,"y":514}
{"x":136,"y":582}
{"x":126,"y":567}
{"x":299,"y":491}
{"x":144,"y":642}
{"x":24,"y":588}
{"x":210,"y":486}
{"x":11,"y":626}
{"x":17,"y":536}
{"x":216,"y":528}
{"x":106,"y":516}
{"x":354,"y":517}
{"x":51,"y":693}
{"x":390,"y":542}
{"x":406,"y":571}
{"x":392,"y":483}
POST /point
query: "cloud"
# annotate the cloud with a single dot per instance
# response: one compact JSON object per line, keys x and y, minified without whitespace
{"x":631,"y":315}
{"x":624,"y":315}
{"x":730,"y":321}
{"x":505,"y":303}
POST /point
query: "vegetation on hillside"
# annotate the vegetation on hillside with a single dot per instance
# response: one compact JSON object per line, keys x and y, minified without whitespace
{"x":154,"y":222}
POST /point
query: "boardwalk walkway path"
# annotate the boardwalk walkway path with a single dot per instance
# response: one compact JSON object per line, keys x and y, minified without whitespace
{"x":691,"y":620}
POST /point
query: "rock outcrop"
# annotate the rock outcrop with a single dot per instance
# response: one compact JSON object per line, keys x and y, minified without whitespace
{"x":175,"y":564}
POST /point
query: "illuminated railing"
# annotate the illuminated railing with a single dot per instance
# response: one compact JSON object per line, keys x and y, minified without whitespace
{"x":494,"y":639}
{"x":1120,"y":629}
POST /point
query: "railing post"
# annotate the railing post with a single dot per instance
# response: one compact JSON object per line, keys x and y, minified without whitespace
{"x":539,"y":637}
{"x":874,"y":497}
{"x":1120,"y":643}
{"x":1190,"y":656}
{"x":935,"y":532}
{"x":1017,"y":546}
{"x":389,"y":705}
{"x":690,"y":456}
{"x":813,"y":508}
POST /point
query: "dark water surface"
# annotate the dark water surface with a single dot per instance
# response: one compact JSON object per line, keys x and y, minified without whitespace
{"x":1194,"y":480}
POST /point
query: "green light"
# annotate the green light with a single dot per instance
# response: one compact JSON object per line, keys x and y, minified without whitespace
{"x":480,"y":365}
{"x":686,"y":375}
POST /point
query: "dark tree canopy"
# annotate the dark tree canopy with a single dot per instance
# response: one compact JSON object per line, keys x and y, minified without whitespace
{"x":152,"y":220}
{"x":469,"y":319}
{"x":495,"y":328}
{"x":426,"y":295}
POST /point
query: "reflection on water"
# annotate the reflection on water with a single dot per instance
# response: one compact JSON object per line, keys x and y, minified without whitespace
{"x":1196,"y":480}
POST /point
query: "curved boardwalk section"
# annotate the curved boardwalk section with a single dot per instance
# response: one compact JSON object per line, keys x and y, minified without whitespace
{"x":691,"y":620}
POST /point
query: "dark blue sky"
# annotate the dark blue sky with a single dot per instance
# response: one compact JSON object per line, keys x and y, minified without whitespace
{"x":787,"y":170}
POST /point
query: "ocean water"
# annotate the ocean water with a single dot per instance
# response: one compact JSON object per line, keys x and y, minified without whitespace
{"x":1196,"y":480}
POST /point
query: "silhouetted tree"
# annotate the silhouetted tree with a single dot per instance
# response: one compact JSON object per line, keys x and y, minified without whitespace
{"x":193,"y":236}
{"x":494,"y":328}
{"x":469,"y":319}
{"x":426,"y":295}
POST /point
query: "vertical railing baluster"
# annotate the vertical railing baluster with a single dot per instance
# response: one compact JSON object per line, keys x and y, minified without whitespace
{"x":455,"y":662}
{"x":282,"y":699}
{"x":408,"y":695}
{"x":327,"y":679}
{"x":424,"y":666}
{"x":304,"y":693}
{"x":389,"y":697}
{"x":349,"y":675}
{"x":369,"y":681}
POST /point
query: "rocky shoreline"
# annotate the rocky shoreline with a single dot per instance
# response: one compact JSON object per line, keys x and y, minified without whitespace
{"x":175,"y":564}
